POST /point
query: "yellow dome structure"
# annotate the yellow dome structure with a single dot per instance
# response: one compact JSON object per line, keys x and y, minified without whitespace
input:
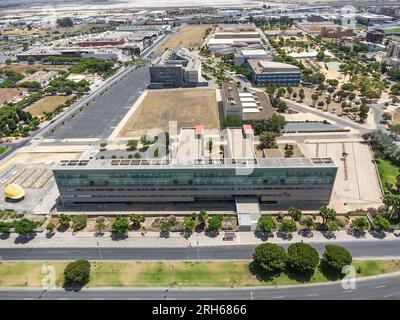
{"x":14,"y":191}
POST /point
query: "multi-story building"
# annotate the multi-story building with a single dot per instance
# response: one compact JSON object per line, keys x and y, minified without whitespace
{"x":267,"y":72}
{"x":241,"y":56}
{"x":336,"y":32}
{"x":374,"y":36}
{"x":393,"y":54}
{"x":247,"y":105}
{"x":176,"y":69}
{"x":189,"y":175}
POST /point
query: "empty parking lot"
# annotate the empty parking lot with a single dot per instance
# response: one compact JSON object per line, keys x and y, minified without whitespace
{"x":100,"y":118}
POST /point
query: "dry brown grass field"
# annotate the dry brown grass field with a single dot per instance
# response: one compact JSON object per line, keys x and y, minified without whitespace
{"x":189,"y":107}
{"x":187,"y":37}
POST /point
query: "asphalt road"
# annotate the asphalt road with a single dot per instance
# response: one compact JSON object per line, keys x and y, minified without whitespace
{"x":99,"y":119}
{"x":387,"y":287}
{"x":358,"y":249}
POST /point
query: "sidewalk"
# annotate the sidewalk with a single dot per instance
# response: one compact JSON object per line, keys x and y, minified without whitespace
{"x":153,"y":240}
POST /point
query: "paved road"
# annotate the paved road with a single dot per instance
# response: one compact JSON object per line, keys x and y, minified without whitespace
{"x":359,"y":249}
{"x":99,"y":119}
{"x":387,"y":287}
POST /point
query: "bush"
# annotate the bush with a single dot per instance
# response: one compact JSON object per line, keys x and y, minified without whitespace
{"x":64,"y":220}
{"x":288,"y":226}
{"x":331,"y":226}
{"x":302,"y":258}
{"x":296,"y":214}
{"x":25,"y":226}
{"x":214,"y":223}
{"x":79,"y":222}
{"x":381,"y":223}
{"x":280,"y":216}
{"x":77,"y":273}
{"x":50,"y":227}
{"x":137,"y":219}
{"x":336,"y":257}
{"x":266,"y":223}
{"x":120,"y":225}
{"x":5,"y":227}
{"x":166,"y":226}
{"x":360,"y":224}
{"x":271,"y":257}
{"x":188,"y":224}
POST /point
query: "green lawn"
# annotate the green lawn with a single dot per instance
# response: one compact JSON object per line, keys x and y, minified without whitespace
{"x":387,"y":171}
{"x":394,"y":30}
{"x":3,"y":149}
{"x":208,"y":273}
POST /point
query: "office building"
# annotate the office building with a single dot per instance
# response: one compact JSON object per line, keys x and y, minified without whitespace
{"x":176,"y":69}
{"x":264,"y":73}
{"x":189,"y":175}
{"x":244,"y":105}
{"x":374,"y":36}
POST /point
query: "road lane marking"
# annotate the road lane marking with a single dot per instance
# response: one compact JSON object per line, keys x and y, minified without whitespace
{"x":347,"y":291}
{"x":388,"y":295}
{"x":383,"y":286}
{"x":279,"y":297}
{"x":313,"y":295}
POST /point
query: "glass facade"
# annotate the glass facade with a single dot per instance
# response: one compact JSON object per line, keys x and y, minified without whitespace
{"x":170,"y":184}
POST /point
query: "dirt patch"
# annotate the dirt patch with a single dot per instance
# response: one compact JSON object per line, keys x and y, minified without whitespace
{"x":189,"y":36}
{"x":188,"y":107}
{"x":47,"y":104}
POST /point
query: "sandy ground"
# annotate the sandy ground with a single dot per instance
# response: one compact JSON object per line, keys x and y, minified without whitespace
{"x":47,"y":104}
{"x":188,"y":107}
{"x":187,"y":37}
{"x":357,"y":182}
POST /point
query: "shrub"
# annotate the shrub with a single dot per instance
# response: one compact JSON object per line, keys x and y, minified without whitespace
{"x":302,"y":258}
{"x":360,"y":224}
{"x":79,"y":222}
{"x":203,"y":216}
{"x":188,"y":224}
{"x":166,"y":226}
{"x":296,"y":214}
{"x":136,"y":219}
{"x":266,"y":223}
{"x":5,"y":227}
{"x":336,"y":257}
{"x":25,"y":226}
{"x":288,"y":226}
{"x":331,"y":226}
{"x":77,"y":273}
{"x":271,"y":257}
{"x":381,"y":223}
{"x":120,"y":225}
{"x":215,"y":222}
{"x":309,"y":223}
{"x":50,"y":227}
{"x":64,"y":220}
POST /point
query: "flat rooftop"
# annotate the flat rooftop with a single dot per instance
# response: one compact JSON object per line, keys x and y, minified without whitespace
{"x":263,"y":66}
{"x":101,"y":164}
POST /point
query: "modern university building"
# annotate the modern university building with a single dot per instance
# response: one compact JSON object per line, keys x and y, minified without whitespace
{"x":263,"y":73}
{"x":189,"y":175}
